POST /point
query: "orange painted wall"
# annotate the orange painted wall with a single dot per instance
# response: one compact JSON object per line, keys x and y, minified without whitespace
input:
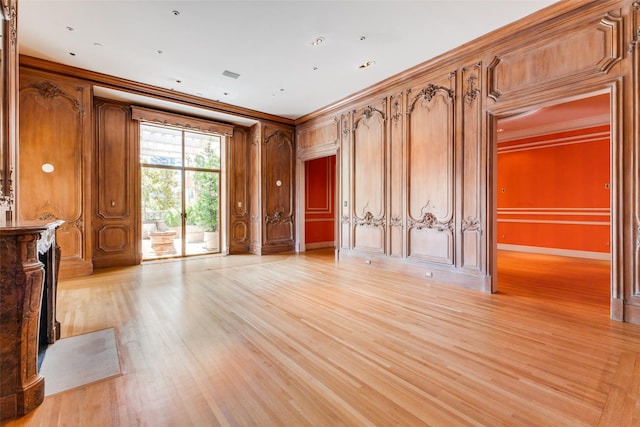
{"x":319,"y":201}
{"x":552,"y":190}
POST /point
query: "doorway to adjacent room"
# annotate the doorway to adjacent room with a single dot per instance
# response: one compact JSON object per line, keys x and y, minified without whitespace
{"x":553,"y":192}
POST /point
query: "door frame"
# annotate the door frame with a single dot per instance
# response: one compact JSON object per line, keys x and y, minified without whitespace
{"x":300,"y":245}
{"x":614,"y":89}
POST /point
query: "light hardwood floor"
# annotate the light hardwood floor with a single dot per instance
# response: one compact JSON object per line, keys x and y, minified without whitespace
{"x":296,"y":340}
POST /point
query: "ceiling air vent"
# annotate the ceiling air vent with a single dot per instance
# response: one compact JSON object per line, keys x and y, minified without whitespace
{"x":230,"y":74}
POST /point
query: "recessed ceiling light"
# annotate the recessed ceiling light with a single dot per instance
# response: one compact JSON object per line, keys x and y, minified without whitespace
{"x":97,"y":44}
{"x":70,"y":28}
{"x":363,"y":38}
{"x":281,"y":90}
{"x":317,"y":41}
{"x":227,"y":93}
{"x":159,"y":51}
{"x":175,"y":12}
{"x":367,"y":64}
{"x":315,"y":68}
{"x":72,"y":54}
{"x":178,"y":81}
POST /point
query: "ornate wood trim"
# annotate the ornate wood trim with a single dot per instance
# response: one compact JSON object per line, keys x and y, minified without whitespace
{"x":635,"y":26}
{"x":278,"y":217}
{"x":428,"y":93}
{"x":369,"y":220}
{"x":470,"y":224}
{"x":172,"y":119}
{"x":49,"y":90}
{"x":429,"y":220}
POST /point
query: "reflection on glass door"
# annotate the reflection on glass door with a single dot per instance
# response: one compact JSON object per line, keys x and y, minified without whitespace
{"x":180,"y":192}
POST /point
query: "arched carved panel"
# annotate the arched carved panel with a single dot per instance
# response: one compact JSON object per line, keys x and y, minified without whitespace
{"x":113,"y":181}
{"x":431,"y":171}
{"x":55,"y":128}
{"x":278,"y":167}
{"x":369,"y":177}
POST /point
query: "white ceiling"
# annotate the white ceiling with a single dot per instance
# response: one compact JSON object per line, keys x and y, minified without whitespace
{"x":267,"y":42}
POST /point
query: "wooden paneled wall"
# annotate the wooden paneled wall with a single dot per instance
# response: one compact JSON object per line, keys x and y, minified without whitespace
{"x":116,"y":230}
{"x":417,"y":152}
{"x":272,"y":187}
{"x":238,"y":170}
{"x":56,"y":129}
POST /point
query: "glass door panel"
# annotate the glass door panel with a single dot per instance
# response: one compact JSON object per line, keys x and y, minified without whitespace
{"x":161,"y":212}
{"x":202,"y":201}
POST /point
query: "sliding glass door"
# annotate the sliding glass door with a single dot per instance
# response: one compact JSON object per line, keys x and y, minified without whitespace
{"x":180,"y":192}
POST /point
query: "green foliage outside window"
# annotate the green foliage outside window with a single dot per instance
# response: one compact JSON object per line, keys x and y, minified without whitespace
{"x":204,"y":212}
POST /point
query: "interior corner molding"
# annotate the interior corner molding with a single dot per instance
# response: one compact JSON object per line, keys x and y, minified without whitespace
{"x":173,"y":119}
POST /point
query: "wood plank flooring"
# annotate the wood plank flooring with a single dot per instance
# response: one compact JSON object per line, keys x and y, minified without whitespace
{"x":299,"y":340}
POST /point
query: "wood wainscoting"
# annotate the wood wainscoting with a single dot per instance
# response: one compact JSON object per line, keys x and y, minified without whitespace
{"x":299,"y":340}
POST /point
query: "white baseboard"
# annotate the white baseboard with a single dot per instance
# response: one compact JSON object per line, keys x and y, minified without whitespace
{"x":318,"y":245}
{"x":605,"y":256}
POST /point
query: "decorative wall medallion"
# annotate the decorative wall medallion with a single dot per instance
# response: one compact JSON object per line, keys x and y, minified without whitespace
{"x":428,"y":94}
{"x":395,"y":221}
{"x":48,"y":90}
{"x":346,"y":219}
{"x":470,"y":224}
{"x":369,"y":220}
{"x":278,"y":218}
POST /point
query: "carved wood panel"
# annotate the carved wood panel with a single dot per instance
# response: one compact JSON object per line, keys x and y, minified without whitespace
{"x":317,"y":138}
{"x":431,"y":170}
{"x":116,"y":184}
{"x":278,"y":181}
{"x":634,"y":51}
{"x":591,"y":48}
{"x":470,"y":228}
{"x":255,"y":196}
{"x":239,"y":188}
{"x":369,"y":177}
{"x":55,"y":129}
{"x":396,"y":175}
{"x":345,"y":198}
